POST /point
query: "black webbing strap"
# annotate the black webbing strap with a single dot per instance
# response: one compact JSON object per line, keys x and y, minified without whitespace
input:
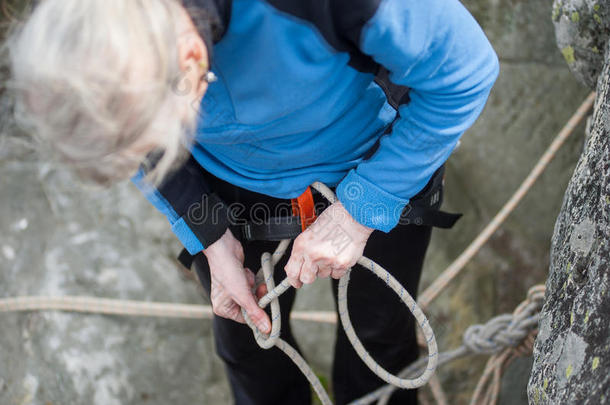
{"x":422,"y":215}
{"x":274,"y":229}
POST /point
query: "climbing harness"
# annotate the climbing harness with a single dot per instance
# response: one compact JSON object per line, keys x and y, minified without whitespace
{"x":423,"y":209}
{"x":506,"y":336}
{"x":304,"y":207}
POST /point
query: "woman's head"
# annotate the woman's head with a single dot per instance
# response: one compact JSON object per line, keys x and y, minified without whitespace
{"x":106,"y":82}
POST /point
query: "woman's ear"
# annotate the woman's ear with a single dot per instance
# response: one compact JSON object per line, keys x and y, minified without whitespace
{"x":191,"y":47}
{"x":193,"y":64}
{"x":191,"y":51}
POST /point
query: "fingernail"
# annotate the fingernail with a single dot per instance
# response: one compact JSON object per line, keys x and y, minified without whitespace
{"x":264,"y":326}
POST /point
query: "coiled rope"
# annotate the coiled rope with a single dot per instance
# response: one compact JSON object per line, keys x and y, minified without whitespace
{"x":267,"y":341}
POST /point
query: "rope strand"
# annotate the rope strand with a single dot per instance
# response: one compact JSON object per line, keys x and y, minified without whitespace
{"x":266,"y":341}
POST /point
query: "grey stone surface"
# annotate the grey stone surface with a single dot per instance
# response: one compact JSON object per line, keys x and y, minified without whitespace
{"x":513,"y":391}
{"x":582,"y":29}
{"x":59,"y":238}
{"x":572,"y":352}
{"x":113,"y":244}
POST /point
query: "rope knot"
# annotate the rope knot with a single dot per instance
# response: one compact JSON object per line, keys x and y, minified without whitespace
{"x":506,"y":330}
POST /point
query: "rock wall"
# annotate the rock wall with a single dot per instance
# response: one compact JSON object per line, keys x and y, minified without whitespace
{"x":533,"y":98}
{"x":572,"y":351}
{"x":60,"y":237}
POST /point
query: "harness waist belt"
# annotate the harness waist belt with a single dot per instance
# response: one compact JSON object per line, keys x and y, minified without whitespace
{"x":422,"y":210}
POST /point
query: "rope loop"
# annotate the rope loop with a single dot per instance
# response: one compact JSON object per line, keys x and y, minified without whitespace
{"x":267,"y":341}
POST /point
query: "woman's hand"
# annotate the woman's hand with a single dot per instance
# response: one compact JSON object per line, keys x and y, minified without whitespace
{"x":232,"y":284}
{"x":329,"y":247}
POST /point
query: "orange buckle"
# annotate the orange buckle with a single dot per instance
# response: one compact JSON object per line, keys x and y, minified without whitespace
{"x":303,"y":206}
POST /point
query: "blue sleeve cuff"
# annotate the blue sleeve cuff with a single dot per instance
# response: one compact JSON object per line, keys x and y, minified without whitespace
{"x":187,"y":237}
{"x":368,"y":204}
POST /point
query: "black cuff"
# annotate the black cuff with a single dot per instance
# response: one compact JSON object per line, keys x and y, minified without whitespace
{"x":209,"y":219}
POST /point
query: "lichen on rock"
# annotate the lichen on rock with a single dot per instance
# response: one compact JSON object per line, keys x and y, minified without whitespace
{"x":572,"y":352}
{"x":581,"y":28}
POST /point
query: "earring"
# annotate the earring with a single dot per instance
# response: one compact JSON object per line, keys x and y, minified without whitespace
{"x":209,"y":77}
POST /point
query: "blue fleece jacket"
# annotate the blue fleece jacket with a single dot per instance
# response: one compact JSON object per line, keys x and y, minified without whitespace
{"x":297,"y":101}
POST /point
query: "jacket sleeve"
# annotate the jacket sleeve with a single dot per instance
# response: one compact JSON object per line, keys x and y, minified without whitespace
{"x":437,"y":49}
{"x":197,"y":215}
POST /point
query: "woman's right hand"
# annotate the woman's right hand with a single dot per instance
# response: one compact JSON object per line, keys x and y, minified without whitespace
{"x":231,"y":283}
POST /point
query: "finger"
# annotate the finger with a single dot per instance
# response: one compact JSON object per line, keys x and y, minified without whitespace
{"x":309,"y":271}
{"x":324,"y":272}
{"x":324,"y":269}
{"x":338,"y":273}
{"x":261,"y":291}
{"x":256,"y":314}
{"x":293,"y":268}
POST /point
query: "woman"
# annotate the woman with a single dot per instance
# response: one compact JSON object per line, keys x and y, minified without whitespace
{"x":368,"y":96}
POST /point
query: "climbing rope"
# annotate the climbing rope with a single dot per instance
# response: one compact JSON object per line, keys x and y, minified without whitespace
{"x":528,"y":313}
{"x":267,"y":341}
{"x":107,"y":306}
{"x":505,"y":337}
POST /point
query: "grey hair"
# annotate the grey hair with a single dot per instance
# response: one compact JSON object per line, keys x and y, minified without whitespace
{"x":93,"y":78}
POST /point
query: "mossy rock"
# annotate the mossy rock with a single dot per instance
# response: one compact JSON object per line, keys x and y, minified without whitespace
{"x":582,"y":28}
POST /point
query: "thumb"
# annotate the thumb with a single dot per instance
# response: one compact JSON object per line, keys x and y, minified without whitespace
{"x":256,"y":314}
{"x":247,"y":301}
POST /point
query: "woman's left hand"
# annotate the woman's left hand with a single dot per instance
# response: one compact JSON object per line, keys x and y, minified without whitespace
{"x":329,"y":247}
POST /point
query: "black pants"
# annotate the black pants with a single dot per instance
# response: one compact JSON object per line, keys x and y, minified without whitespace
{"x":383,"y":324}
